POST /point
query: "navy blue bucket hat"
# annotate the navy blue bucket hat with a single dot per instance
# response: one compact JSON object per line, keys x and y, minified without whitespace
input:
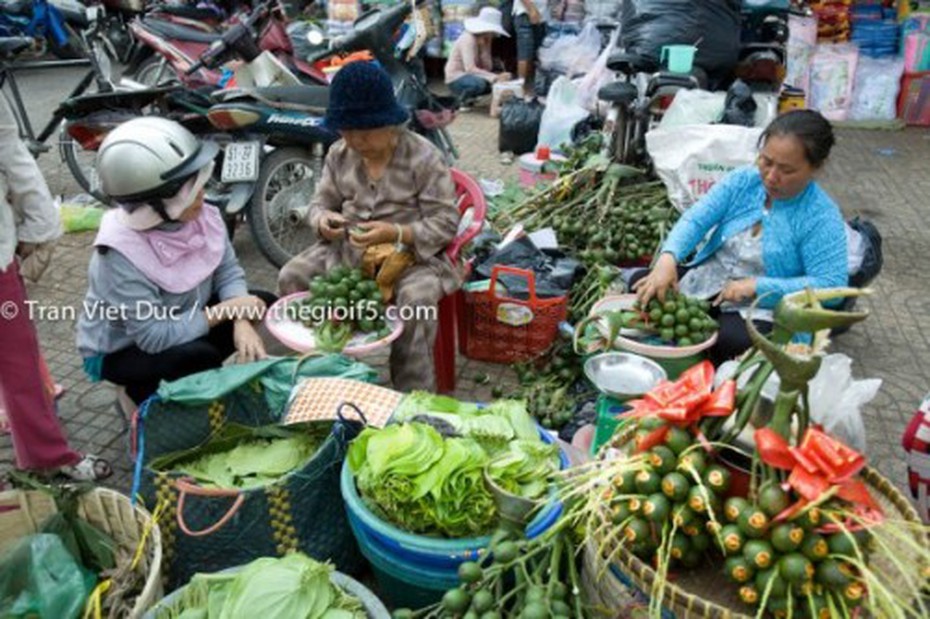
{"x":361,"y":96}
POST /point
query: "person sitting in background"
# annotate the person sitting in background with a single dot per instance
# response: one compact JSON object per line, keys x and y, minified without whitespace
{"x":382,"y":185}
{"x":470,"y":68}
{"x":166,"y":295}
{"x":773,"y":231}
{"x":29,"y":227}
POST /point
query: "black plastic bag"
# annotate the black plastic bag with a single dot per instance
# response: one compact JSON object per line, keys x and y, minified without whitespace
{"x":519,"y":125}
{"x":873,"y":260}
{"x":714,"y":25}
{"x":739,"y":107}
{"x":554,"y":271}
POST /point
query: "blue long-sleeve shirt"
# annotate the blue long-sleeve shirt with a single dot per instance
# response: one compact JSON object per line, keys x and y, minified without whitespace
{"x":803,"y":239}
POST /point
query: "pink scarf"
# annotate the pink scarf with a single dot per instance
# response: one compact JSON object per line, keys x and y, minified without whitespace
{"x":176,"y":261}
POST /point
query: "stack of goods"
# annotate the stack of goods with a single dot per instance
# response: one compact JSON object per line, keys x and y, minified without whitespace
{"x":834,"y":22}
{"x":916,"y":43}
{"x":454,"y":14}
{"x":340,"y":14}
{"x":802,"y":40}
{"x":876,"y":37}
{"x":914,"y":101}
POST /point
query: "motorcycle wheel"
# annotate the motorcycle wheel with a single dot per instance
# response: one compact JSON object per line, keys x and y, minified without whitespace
{"x":70,"y":50}
{"x":152,"y":73}
{"x":276,"y":236}
{"x":82,"y":164}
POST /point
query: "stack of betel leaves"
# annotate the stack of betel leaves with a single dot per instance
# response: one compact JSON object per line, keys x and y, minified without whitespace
{"x":292,"y":587}
{"x":242,"y":457}
{"x":340,"y":304}
{"x":425,"y":472}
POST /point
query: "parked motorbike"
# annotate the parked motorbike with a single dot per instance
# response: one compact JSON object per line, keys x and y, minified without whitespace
{"x":764,"y":35}
{"x":289,"y":120}
{"x":52,"y":23}
{"x":119,"y":13}
{"x":168,"y":49}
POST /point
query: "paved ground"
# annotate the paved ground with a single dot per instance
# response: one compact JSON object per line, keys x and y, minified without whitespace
{"x":882,"y":175}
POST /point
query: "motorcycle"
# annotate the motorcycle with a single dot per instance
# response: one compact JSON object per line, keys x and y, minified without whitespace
{"x":281,"y":141}
{"x":763,"y":39}
{"x":168,"y":49}
{"x":52,"y":23}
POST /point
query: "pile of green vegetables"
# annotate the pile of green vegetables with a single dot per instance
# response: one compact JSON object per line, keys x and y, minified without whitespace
{"x":547,"y":385}
{"x":425,"y":473}
{"x":340,"y":303}
{"x":604,"y":214}
{"x":243,"y":458}
{"x":292,"y":587}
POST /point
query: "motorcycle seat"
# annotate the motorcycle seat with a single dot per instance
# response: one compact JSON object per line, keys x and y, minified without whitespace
{"x":631,"y":64}
{"x":168,"y":30}
{"x":618,"y":92}
{"x":309,"y":96}
{"x":10,"y":46}
{"x":190,"y":12}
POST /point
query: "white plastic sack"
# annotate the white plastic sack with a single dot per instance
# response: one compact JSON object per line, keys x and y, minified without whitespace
{"x":598,"y":76}
{"x":691,"y":158}
{"x":875,"y":94}
{"x":836,"y":399}
{"x":573,"y":54}
{"x":833,"y":72}
{"x":563,"y":111}
{"x":694,"y":107}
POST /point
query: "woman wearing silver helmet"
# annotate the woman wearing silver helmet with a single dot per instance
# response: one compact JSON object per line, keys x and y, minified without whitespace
{"x":166,"y":295}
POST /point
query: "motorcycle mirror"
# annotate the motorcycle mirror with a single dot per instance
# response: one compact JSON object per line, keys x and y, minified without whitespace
{"x":315,"y":37}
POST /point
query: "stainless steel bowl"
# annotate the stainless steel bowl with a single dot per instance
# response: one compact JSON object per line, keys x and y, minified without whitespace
{"x":623,"y":375}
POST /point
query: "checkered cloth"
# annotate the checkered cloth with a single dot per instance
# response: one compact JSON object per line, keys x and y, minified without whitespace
{"x":916,"y":443}
{"x":316,"y":399}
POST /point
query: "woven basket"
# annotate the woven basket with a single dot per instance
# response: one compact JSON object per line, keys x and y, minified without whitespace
{"x":705,"y":592}
{"x":22,"y":512}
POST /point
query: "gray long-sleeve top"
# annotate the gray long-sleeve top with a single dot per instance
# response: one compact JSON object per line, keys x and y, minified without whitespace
{"x":123,"y":307}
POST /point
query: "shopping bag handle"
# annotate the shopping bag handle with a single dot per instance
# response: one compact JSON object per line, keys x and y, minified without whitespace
{"x":185,"y":487}
{"x":530,"y":277}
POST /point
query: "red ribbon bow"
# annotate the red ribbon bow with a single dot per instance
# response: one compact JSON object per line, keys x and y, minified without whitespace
{"x":818,"y":464}
{"x":683,"y":402}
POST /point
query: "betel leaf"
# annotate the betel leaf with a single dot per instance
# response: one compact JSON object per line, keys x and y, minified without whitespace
{"x":425,"y":402}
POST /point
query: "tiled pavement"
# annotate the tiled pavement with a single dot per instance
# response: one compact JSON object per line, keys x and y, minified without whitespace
{"x":883,"y":175}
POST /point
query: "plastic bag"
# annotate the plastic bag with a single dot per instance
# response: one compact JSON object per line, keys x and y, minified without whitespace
{"x":519,"y":125}
{"x":740,"y":107}
{"x":875,"y":93}
{"x":555,"y":272}
{"x":76,"y":218}
{"x":573,"y":54}
{"x":691,"y":158}
{"x":836,"y":399}
{"x":598,"y":76}
{"x":563,"y":111}
{"x":714,"y":25}
{"x":39,"y":577}
{"x":833,"y":71}
{"x":872,"y":257}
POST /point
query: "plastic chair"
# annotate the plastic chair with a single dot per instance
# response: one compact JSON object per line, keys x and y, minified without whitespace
{"x":473,"y":209}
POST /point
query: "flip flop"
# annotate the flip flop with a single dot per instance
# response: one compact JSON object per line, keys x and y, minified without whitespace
{"x":88,"y":468}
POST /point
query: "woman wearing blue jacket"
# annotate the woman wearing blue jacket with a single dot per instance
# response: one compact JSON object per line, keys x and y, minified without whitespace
{"x":771,"y":230}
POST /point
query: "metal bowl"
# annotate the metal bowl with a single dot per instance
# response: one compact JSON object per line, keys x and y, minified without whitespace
{"x":622,"y":375}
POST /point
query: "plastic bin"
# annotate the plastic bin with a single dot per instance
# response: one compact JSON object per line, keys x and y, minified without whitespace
{"x":413,"y":570}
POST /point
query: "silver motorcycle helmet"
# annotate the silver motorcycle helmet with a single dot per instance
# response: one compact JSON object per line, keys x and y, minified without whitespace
{"x":149,"y":159}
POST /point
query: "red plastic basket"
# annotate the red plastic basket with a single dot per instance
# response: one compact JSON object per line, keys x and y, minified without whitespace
{"x":507,"y":330}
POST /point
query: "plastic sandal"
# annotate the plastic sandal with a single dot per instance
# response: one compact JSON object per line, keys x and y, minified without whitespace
{"x":89,"y":468}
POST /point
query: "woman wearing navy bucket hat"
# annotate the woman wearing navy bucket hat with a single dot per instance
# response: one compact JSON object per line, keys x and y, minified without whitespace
{"x":383,"y":187}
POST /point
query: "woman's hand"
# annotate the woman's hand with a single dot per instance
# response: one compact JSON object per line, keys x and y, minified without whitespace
{"x":249,"y":346}
{"x":664,"y":276}
{"x":737,"y":291}
{"x":373,"y":233}
{"x":332,"y":226}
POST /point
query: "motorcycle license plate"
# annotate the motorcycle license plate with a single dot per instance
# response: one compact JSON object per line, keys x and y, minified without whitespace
{"x":240,"y":162}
